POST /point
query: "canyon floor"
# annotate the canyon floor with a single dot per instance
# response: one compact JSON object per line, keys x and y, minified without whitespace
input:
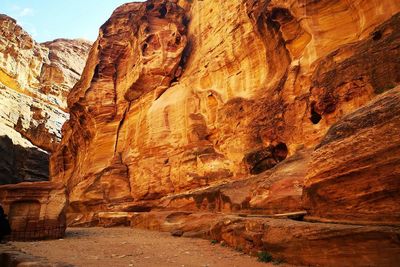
{"x":116,"y":247}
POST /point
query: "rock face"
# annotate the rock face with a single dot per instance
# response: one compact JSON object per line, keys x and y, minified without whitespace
{"x":354,"y":173}
{"x":22,"y":163}
{"x":179,"y":95}
{"x":35,"y":80}
{"x":35,"y":210}
{"x":192,"y":108}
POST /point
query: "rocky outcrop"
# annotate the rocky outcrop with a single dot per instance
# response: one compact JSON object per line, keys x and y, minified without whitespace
{"x":354,"y":173}
{"x":35,"y":210}
{"x":225,"y":90}
{"x":35,"y":80}
{"x":300,"y":243}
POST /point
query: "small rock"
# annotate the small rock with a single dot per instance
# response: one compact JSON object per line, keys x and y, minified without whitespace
{"x":177,"y":233}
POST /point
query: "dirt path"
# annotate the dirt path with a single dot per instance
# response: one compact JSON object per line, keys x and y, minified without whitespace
{"x":114,"y":247}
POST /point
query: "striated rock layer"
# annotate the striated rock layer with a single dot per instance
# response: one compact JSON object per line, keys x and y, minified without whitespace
{"x":176,"y":95}
{"x":355,"y":188}
{"x":354,"y":175}
{"x":300,"y":243}
{"x":35,"y":80}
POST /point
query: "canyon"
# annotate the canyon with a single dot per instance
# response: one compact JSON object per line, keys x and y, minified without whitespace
{"x":267,"y":125}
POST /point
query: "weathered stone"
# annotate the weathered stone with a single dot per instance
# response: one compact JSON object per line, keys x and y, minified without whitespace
{"x":11,"y":256}
{"x":355,"y":172}
{"x":35,"y":80}
{"x":226,"y":90}
{"x":35,"y":210}
{"x":22,"y":163}
{"x":300,"y":243}
{"x":276,"y":191}
{"x":112,"y":219}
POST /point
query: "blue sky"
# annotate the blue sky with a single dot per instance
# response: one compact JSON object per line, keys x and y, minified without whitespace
{"x":47,"y":20}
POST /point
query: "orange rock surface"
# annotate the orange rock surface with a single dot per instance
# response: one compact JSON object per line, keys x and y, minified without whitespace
{"x":35,"y":210}
{"x":354,"y":173}
{"x":300,"y":243}
{"x":192,"y":107}
{"x":177,"y":96}
{"x":35,"y":80}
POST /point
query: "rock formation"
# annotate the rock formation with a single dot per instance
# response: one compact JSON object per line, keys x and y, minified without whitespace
{"x":176,"y":95}
{"x":35,"y":210}
{"x":354,"y":173}
{"x":191,"y":107}
{"x":35,"y":80}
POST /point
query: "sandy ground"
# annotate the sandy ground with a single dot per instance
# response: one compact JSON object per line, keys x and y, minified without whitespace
{"x":114,"y":247}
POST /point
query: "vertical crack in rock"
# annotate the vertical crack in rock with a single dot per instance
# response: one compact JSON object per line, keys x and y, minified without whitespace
{"x":139,"y":52}
{"x":121,"y":123}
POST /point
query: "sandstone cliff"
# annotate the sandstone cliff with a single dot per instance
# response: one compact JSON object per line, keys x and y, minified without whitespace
{"x":178,"y":95}
{"x":252,"y":108}
{"x":35,"y":80}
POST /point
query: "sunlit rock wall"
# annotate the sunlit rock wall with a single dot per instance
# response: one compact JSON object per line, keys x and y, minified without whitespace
{"x":180,"y":95}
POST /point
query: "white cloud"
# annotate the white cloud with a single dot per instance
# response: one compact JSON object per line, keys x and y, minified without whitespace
{"x":25,"y":12}
{"x":20,"y":12}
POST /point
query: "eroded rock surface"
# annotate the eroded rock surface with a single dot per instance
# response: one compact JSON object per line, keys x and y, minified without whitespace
{"x":35,"y":210}
{"x":35,"y":80}
{"x":180,"y":95}
{"x":354,"y":173}
{"x":22,"y":163}
{"x":300,"y":243}
{"x":187,"y":110}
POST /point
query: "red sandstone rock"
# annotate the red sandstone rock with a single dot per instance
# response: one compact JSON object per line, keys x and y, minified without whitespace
{"x":300,"y":243}
{"x":354,"y":173}
{"x":226,"y":90}
{"x":216,"y":106}
{"x":276,"y":191}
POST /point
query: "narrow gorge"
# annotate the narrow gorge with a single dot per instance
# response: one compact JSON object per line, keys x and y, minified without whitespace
{"x":271,"y":126}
